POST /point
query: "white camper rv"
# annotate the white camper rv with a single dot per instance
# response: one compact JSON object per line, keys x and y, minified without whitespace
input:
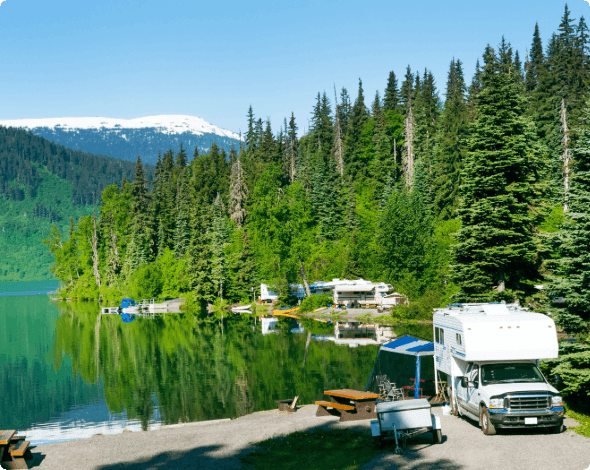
{"x":489,"y":355}
{"x":267,"y":295}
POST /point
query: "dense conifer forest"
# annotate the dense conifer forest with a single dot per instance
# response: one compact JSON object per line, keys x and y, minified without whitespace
{"x":41,"y":184}
{"x":477,"y":194}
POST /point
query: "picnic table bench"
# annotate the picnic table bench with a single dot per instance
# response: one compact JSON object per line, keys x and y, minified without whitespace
{"x":14,"y":451}
{"x":348,"y":404}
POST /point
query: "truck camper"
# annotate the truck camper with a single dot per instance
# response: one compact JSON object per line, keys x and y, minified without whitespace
{"x":488,"y":355}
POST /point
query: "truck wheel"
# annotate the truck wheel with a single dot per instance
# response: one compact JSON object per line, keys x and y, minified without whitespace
{"x":558,"y":429}
{"x":437,"y":436}
{"x":486,"y":424}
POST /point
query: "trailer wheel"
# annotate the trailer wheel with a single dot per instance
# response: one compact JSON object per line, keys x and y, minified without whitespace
{"x":437,"y":436}
{"x":377,"y":442}
{"x":486,"y":424}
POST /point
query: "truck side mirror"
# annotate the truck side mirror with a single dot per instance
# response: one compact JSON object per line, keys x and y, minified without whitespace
{"x":464,"y":382}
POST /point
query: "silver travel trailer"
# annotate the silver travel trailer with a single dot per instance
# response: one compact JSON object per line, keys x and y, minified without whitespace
{"x":489,"y":354}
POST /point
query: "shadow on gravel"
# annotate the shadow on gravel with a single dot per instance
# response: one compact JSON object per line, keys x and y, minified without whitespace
{"x":200,"y":457}
{"x":177,"y":460}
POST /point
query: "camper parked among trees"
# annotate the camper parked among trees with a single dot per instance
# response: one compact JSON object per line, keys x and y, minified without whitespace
{"x":489,"y":356}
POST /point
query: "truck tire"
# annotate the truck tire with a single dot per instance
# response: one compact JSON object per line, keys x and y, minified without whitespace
{"x":437,"y":436}
{"x":486,"y":424}
{"x":558,"y":429}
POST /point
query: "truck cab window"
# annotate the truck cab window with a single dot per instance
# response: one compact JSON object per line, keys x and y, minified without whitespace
{"x":510,"y":372}
{"x":475,"y":377}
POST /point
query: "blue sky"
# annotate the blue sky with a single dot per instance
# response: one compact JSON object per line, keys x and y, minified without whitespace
{"x":133,"y":58}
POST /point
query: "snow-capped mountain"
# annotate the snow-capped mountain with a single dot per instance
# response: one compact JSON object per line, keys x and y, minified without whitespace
{"x":128,"y":138}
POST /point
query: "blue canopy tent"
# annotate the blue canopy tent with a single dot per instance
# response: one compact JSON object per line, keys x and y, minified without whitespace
{"x":401,"y":361}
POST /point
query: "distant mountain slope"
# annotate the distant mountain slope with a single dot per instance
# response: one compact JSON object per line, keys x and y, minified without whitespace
{"x":43,"y":183}
{"x":128,"y":138}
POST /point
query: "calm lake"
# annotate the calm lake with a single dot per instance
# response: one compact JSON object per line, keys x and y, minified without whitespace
{"x":68,"y":373}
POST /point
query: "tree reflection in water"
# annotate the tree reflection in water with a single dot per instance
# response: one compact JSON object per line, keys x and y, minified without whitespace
{"x":196,"y":369}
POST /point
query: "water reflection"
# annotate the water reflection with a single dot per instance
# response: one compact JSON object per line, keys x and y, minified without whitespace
{"x":31,"y":390}
{"x":197,"y":370}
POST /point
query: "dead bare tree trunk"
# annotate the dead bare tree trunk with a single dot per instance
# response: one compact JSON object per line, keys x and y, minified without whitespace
{"x":338,"y":148}
{"x":566,"y":155}
{"x":305,"y":283}
{"x":306,"y":347}
{"x":408,"y":154}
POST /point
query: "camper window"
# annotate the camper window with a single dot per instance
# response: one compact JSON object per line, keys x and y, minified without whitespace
{"x":459,"y":339}
{"x":439,"y":335}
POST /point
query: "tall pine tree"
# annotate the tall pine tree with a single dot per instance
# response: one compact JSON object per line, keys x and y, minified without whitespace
{"x":496,"y":250}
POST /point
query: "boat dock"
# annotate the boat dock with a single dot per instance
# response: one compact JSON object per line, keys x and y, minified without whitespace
{"x":146,"y":307}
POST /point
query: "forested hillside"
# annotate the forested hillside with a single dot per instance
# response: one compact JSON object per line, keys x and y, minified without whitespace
{"x":464,"y":196}
{"x":43,"y":184}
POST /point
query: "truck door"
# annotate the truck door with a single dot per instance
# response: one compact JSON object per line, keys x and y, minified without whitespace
{"x":473,"y":392}
{"x":462,"y":391}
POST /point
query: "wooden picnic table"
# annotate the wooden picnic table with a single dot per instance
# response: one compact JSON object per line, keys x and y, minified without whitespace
{"x":14,"y":451}
{"x":348,"y":404}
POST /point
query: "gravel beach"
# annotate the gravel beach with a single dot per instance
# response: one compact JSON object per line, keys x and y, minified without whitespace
{"x":219,"y":444}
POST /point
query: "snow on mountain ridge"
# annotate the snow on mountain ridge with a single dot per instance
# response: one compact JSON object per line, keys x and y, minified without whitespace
{"x":168,"y":124}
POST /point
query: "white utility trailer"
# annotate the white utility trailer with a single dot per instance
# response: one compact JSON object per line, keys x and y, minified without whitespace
{"x":402,"y":420}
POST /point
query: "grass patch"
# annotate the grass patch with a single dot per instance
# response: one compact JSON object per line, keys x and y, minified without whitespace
{"x":584,"y":428}
{"x":339,"y":449}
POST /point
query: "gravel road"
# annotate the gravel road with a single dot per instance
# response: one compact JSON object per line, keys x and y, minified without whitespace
{"x":218,"y":445}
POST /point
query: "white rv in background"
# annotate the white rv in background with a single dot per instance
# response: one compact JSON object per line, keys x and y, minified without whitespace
{"x":489,"y":355}
{"x":267,"y":295}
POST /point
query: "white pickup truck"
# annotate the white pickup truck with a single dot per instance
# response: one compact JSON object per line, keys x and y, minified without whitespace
{"x":489,"y":356}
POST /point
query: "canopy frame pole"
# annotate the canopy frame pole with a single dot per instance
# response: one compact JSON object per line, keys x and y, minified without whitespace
{"x":417,"y":382}
{"x":435,"y":374}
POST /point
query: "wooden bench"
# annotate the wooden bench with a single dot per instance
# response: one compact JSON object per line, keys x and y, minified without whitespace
{"x":5,"y":437}
{"x":14,"y":451}
{"x":332,"y":404}
{"x":348,"y":404}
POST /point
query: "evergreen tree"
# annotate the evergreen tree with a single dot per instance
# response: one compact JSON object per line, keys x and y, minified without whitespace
{"x":344,"y":110}
{"x":182,"y":229}
{"x":536,"y":63}
{"x":496,"y":248}
{"x":354,"y":161}
{"x":250,"y":137}
{"x":238,"y":193}
{"x":475,"y":86}
{"x":181,"y":158}
{"x":322,"y":128}
{"x":407,"y":90}
{"x":391,"y":98}
{"x":200,"y":256}
{"x":219,"y":240}
{"x":572,"y":270}
{"x":452,"y":145}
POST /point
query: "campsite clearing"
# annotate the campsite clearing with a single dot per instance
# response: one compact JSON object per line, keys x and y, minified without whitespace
{"x":221,"y":445}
